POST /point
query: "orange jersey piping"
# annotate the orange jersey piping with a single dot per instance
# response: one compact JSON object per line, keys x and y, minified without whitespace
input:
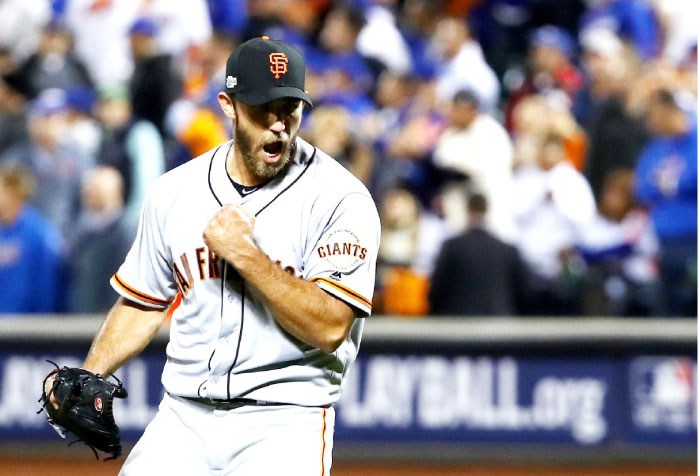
{"x":346,"y":291}
{"x":138,"y":294}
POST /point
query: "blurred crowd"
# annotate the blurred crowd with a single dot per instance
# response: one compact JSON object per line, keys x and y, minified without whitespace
{"x":528,"y":157}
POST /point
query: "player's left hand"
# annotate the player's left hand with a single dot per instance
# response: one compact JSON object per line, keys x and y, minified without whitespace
{"x":230,"y":235}
{"x":83,"y":407}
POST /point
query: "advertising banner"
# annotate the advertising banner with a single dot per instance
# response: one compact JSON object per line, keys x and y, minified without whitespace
{"x":509,"y":399}
{"x":504,"y":399}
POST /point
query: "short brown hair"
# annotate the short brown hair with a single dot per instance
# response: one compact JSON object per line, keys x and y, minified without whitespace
{"x":477,"y":203}
{"x":19,"y":179}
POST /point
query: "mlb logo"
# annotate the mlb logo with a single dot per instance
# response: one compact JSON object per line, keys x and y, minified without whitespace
{"x":662,"y":393}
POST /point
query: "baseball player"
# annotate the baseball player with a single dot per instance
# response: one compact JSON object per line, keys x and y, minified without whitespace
{"x":272,"y":246}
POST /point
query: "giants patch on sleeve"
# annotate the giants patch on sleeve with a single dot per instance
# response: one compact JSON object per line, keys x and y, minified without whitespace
{"x":342,"y":250}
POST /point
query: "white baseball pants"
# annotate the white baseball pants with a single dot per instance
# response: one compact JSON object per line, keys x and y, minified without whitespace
{"x":191,"y":439}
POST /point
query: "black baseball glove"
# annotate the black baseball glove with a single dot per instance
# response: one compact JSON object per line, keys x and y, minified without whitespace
{"x":84,"y":408}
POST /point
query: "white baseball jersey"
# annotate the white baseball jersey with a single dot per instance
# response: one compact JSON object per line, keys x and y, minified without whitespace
{"x":315,"y":219}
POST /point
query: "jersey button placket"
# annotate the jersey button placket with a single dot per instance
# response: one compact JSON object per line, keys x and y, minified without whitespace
{"x":223,"y":356}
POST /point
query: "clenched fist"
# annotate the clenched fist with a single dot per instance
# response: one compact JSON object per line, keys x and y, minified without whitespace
{"x":230,"y":235}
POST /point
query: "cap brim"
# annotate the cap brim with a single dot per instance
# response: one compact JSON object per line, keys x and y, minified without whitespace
{"x":256,"y":98}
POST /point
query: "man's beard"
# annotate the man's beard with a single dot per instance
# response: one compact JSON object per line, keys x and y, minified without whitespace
{"x":257,"y":167}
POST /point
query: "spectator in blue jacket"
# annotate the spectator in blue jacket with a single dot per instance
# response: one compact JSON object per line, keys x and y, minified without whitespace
{"x":30,"y":250}
{"x":667,"y":183}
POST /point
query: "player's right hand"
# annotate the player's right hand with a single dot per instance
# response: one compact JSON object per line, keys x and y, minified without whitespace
{"x":229,"y":234}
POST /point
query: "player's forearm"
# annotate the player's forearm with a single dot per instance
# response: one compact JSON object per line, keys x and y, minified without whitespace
{"x":126,"y":331}
{"x":300,"y":307}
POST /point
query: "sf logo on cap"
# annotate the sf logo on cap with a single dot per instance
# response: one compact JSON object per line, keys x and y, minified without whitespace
{"x":278,"y":64}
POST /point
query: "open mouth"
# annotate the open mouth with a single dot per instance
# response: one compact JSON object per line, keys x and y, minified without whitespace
{"x":273,"y":150}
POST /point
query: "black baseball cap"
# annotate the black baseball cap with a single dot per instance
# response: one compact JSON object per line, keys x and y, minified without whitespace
{"x":262,"y":70}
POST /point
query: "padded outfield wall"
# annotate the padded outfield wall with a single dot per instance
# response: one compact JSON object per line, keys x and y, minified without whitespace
{"x":448,"y":390}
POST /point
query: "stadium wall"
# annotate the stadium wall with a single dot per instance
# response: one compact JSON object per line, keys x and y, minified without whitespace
{"x":437,"y":389}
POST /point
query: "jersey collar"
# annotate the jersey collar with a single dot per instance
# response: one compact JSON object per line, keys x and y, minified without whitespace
{"x":224,"y":192}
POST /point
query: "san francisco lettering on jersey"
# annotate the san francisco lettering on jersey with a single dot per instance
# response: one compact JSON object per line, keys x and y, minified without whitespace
{"x":208,"y":267}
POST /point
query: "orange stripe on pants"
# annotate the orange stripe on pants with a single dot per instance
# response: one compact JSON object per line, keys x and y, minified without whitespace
{"x":323,"y":448}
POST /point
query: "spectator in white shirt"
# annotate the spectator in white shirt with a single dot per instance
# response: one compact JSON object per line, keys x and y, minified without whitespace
{"x":101,"y":33}
{"x":20,"y":26}
{"x":380,"y":39}
{"x":464,"y":65}
{"x":478,"y":147}
{"x":182,"y":24}
{"x":679,"y":21}
{"x":554,"y":203}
